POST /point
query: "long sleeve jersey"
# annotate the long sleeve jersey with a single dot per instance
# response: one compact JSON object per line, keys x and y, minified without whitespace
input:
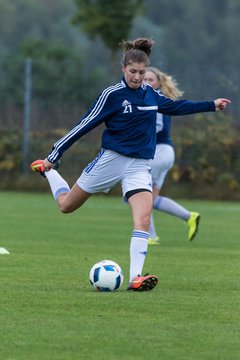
{"x":164,"y":133}
{"x":163,"y":127}
{"x":130,"y":119}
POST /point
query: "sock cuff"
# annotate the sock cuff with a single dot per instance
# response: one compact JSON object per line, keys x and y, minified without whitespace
{"x":140,"y":234}
{"x":60,"y":191}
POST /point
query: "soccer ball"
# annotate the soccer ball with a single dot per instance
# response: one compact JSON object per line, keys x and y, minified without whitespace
{"x":106,"y":275}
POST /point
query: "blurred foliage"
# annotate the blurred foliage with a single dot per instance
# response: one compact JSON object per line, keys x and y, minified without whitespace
{"x":196,"y":44}
{"x":111,"y":22}
{"x":57,"y":74}
{"x":10,"y":153}
{"x":189,"y":39}
{"x":207,"y":154}
{"x":199,"y":46}
{"x":206,"y":145}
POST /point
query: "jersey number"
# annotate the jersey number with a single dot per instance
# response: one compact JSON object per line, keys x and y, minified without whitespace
{"x":127,"y":109}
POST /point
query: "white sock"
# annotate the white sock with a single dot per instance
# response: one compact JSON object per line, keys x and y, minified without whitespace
{"x":152,"y":230}
{"x":138,"y":252}
{"x":169,"y":206}
{"x":57,"y":184}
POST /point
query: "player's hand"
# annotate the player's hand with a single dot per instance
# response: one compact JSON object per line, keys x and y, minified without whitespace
{"x":221,"y":104}
{"x":48,"y":165}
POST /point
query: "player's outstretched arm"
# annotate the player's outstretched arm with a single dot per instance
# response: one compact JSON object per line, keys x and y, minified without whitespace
{"x":221,"y":104}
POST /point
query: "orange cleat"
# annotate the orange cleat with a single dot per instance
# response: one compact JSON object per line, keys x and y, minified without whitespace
{"x":143,"y":283}
{"x":37,"y":165}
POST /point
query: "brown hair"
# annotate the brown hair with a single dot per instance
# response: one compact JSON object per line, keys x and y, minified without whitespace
{"x":136,"y":51}
{"x":167,"y":84}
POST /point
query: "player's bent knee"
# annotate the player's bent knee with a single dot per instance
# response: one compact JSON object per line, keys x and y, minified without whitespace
{"x":66,"y":209}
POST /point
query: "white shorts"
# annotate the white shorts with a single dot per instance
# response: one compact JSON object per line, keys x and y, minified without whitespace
{"x":163,"y":161}
{"x":109,"y":168}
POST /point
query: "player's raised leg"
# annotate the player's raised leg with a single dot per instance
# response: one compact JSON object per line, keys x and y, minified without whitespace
{"x":72,"y":200}
{"x":68,"y":199}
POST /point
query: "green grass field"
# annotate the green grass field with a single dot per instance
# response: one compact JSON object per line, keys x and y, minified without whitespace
{"x":48,"y":310}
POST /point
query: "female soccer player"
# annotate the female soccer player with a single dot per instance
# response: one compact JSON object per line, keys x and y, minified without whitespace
{"x":164,"y":158}
{"x":129,"y":111}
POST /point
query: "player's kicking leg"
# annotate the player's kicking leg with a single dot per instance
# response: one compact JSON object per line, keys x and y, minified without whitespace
{"x":68,"y":199}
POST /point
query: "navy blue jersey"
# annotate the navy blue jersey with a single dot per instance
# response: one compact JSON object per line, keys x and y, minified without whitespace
{"x":163,"y":127}
{"x":164,"y":135}
{"x":130,"y":119}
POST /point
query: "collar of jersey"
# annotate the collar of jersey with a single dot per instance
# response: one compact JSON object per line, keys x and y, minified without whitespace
{"x":124,"y":81}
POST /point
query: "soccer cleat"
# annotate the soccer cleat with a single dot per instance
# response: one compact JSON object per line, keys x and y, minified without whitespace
{"x":192,"y":224}
{"x":143,"y":283}
{"x":153,"y":241}
{"x":37,"y":166}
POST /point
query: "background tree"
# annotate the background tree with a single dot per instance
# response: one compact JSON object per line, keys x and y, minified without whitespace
{"x":112,"y":21}
{"x":199,"y":45}
{"x":45,"y":19}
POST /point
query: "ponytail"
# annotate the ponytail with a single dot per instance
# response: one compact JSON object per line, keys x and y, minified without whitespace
{"x":137,"y":51}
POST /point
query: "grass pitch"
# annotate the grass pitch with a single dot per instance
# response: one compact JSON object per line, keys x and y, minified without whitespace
{"x":48,"y":310}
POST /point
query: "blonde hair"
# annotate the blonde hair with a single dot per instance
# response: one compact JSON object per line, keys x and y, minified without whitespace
{"x":167,"y":84}
{"x":137,"y":51}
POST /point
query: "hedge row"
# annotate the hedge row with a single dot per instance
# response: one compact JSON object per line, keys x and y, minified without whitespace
{"x":207,"y":158}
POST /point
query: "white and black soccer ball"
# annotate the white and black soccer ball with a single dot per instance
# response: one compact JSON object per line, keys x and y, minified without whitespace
{"x":106,"y":275}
